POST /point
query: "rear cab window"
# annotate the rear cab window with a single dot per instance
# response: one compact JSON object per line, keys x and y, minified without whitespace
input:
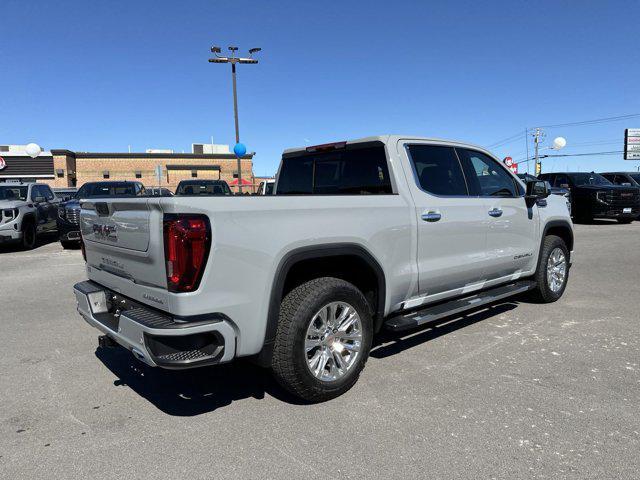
{"x":351,"y":169}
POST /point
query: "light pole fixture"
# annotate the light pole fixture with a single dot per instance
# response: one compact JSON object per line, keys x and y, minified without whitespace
{"x":233,"y":60}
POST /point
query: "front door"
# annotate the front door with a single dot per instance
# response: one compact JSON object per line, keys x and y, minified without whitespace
{"x":452,"y":225}
{"x":512,"y":227}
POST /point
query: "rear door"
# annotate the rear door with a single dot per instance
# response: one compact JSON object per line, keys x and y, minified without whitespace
{"x":512,"y":227}
{"x":452,"y":225}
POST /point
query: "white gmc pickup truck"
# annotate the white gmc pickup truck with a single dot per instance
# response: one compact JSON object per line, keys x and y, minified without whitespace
{"x":383,"y":232}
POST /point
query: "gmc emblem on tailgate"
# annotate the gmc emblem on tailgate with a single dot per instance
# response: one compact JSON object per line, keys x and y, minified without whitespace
{"x":106,"y":232}
{"x":627,"y":195}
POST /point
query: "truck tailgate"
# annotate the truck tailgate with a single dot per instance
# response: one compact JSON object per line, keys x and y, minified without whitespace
{"x":123,"y":237}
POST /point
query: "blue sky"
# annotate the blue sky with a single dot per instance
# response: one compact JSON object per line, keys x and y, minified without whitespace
{"x":102,"y":75}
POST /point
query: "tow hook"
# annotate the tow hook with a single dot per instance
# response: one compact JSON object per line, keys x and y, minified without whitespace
{"x":104,"y":341}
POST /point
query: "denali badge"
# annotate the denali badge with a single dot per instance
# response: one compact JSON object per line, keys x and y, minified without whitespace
{"x":106,"y":232}
{"x":523,"y":255}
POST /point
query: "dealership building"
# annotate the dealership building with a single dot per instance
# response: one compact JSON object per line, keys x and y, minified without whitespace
{"x":66,"y":168}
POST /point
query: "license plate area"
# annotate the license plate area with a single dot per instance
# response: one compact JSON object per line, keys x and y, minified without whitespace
{"x":626,"y":210}
{"x":109,"y":312}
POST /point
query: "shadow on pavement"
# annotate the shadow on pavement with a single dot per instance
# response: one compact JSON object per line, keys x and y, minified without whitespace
{"x":201,"y":390}
{"x":43,"y":239}
{"x":195,"y":391}
{"x":389,"y":343}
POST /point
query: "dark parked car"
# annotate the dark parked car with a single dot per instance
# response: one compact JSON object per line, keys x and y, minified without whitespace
{"x":69,"y":212}
{"x":564,"y":192}
{"x":65,"y":194}
{"x":593,"y":196}
{"x":626,"y":179}
{"x":203,"y":187}
{"x":159,"y":192}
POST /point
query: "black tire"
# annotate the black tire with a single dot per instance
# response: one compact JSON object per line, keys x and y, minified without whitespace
{"x":543,"y":292}
{"x":289,"y":362}
{"x":624,"y":221}
{"x":29,"y":235}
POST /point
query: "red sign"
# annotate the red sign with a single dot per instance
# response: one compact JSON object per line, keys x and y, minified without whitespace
{"x":508,"y":161}
{"x":3,"y":164}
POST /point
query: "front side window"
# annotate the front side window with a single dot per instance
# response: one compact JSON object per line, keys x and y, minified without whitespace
{"x":485,"y":175}
{"x":438,"y":170}
{"x":46,"y":190}
{"x":356,"y":170}
{"x":36,"y":192}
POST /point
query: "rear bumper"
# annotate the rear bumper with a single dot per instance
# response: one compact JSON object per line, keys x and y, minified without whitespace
{"x":156,"y":338}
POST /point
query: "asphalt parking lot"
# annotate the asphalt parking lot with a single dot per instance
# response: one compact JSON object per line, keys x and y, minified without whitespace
{"x":517,"y":391}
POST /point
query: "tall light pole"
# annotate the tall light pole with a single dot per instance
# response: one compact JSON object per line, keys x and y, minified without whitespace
{"x":233,"y":60}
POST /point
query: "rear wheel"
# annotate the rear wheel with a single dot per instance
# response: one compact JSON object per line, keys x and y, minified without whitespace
{"x":553,"y":270}
{"x":323,"y":339}
{"x":29,"y":235}
{"x":625,"y":220}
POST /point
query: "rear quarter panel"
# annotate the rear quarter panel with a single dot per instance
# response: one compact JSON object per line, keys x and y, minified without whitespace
{"x":251,"y":236}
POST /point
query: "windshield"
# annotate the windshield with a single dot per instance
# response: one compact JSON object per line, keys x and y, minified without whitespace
{"x":635,"y":176}
{"x":106,"y":190}
{"x":203,"y":188}
{"x":589,"y":179}
{"x":268,"y":189}
{"x":13,"y":192}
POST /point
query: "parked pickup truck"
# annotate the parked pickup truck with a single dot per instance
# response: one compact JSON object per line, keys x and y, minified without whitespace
{"x":384,"y":232}
{"x":27,"y":210}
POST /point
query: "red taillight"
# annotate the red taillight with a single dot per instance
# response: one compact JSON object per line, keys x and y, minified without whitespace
{"x":187,"y":239}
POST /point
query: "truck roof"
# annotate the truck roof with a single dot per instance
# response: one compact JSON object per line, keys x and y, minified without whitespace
{"x":387,"y":139}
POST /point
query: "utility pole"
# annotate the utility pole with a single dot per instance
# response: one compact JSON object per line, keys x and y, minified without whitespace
{"x":538,"y":134}
{"x":233,"y":60}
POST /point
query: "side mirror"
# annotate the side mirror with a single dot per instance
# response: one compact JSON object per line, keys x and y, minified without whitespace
{"x":536,"y":190}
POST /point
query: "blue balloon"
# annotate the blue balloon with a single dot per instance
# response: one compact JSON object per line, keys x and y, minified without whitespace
{"x":239,"y":149}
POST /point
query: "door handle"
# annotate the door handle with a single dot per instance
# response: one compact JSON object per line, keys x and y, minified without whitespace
{"x":431,"y":216}
{"x":496,"y":212}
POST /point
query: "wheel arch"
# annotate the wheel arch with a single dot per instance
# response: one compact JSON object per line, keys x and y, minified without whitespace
{"x":560,"y":228}
{"x":325,"y":257}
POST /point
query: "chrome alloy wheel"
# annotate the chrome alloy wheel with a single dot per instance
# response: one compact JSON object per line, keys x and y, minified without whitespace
{"x":556,"y":270}
{"x":333,"y":340}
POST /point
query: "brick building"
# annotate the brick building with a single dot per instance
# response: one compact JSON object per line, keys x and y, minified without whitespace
{"x":65,"y":168}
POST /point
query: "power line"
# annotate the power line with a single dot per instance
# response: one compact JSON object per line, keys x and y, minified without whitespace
{"x":616,"y":152}
{"x":510,"y":139}
{"x":594,"y":121}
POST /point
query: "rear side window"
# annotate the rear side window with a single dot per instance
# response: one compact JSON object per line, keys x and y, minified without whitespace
{"x":438,"y":170}
{"x":350,"y":171}
{"x":485,"y":175}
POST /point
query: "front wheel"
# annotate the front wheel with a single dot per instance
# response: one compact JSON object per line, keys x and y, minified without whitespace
{"x":323,"y":339}
{"x":553,"y":270}
{"x":29,"y":235}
